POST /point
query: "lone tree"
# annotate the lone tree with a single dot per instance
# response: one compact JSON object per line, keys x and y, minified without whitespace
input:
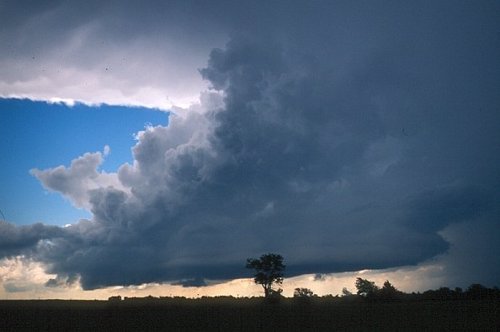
{"x":269,"y":270}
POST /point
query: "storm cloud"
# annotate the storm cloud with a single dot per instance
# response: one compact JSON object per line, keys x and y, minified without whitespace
{"x":342,"y":137}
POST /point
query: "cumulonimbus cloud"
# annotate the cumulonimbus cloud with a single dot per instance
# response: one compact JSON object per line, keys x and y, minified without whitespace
{"x":338,"y":163}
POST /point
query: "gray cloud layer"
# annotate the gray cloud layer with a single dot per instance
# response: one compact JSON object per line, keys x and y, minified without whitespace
{"x":114,"y":52}
{"x":342,"y":136}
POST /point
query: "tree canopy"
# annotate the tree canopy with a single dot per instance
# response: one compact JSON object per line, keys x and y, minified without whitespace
{"x":303,"y":293}
{"x":365,"y":287}
{"x":269,"y":270}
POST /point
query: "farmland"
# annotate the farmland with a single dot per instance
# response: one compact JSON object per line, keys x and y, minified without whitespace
{"x":250,"y":314}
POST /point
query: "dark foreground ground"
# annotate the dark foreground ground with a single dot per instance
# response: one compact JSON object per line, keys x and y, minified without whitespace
{"x":230,"y":314}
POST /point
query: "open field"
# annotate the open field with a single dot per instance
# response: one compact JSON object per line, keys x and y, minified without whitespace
{"x":231,"y":314}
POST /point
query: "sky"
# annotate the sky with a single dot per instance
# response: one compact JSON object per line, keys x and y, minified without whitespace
{"x":150,"y":148}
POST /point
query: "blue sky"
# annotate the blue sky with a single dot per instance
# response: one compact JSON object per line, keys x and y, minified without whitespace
{"x":42,"y":135}
{"x":346,"y":136}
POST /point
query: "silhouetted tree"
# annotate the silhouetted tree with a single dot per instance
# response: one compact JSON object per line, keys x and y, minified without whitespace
{"x":269,"y":270}
{"x":477,"y":292}
{"x":366,"y":287}
{"x":388,"y":291}
{"x":303,"y":293}
{"x":116,"y":298}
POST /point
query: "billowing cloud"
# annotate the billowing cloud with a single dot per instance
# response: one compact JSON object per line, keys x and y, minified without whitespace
{"x":341,"y":151}
{"x":76,"y":181}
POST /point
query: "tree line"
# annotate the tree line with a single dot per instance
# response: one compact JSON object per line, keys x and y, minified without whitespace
{"x":269,"y":273}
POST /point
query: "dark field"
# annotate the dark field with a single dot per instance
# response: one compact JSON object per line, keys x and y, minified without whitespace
{"x":230,"y":314}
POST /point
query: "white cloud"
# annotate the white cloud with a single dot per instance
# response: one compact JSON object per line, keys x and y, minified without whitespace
{"x":79,"y":179}
{"x":106,"y":150}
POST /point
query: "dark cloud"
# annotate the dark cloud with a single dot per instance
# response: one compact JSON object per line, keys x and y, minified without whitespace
{"x":473,"y":255}
{"x":319,"y":277}
{"x":191,"y":282}
{"x":432,"y":210}
{"x":343,"y":139}
{"x":61,"y":281}
{"x":15,"y":240}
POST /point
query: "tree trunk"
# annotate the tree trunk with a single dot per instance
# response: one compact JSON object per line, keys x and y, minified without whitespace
{"x":266,"y":291}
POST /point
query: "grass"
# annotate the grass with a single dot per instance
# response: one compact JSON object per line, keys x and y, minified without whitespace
{"x":254,"y":314}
